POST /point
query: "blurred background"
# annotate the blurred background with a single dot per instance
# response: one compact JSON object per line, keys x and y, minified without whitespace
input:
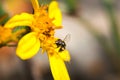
{"x":94,"y":45}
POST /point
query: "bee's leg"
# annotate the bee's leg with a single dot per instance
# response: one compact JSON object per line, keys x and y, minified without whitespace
{"x":61,"y":49}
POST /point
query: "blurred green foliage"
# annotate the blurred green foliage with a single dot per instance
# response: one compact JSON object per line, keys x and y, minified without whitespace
{"x":111,"y":47}
{"x":71,"y":6}
{"x":44,"y":2}
{"x":108,"y":4}
{"x":3,"y":15}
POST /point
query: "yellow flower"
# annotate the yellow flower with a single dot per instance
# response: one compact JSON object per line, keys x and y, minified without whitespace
{"x":43,"y":24}
{"x":5,"y":35}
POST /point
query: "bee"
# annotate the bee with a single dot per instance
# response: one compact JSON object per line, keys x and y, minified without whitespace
{"x":62,"y":43}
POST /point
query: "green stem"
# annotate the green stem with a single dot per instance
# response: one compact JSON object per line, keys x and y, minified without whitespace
{"x":108,"y":4}
{"x":10,"y":45}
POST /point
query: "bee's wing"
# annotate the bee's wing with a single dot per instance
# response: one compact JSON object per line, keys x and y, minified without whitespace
{"x":67,"y":38}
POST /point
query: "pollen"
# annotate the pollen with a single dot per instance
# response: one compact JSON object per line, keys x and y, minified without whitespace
{"x":43,"y":25}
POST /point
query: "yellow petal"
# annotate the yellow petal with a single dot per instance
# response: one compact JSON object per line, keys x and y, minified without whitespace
{"x":23,"y":19}
{"x":28,"y":46}
{"x":55,"y":13}
{"x":35,"y":4}
{"x":58,"y":67}
{"x":64,"y":55}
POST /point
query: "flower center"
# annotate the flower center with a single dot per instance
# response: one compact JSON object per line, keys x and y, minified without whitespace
{"x":42,"y":23}
{"x":44,"y":27}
